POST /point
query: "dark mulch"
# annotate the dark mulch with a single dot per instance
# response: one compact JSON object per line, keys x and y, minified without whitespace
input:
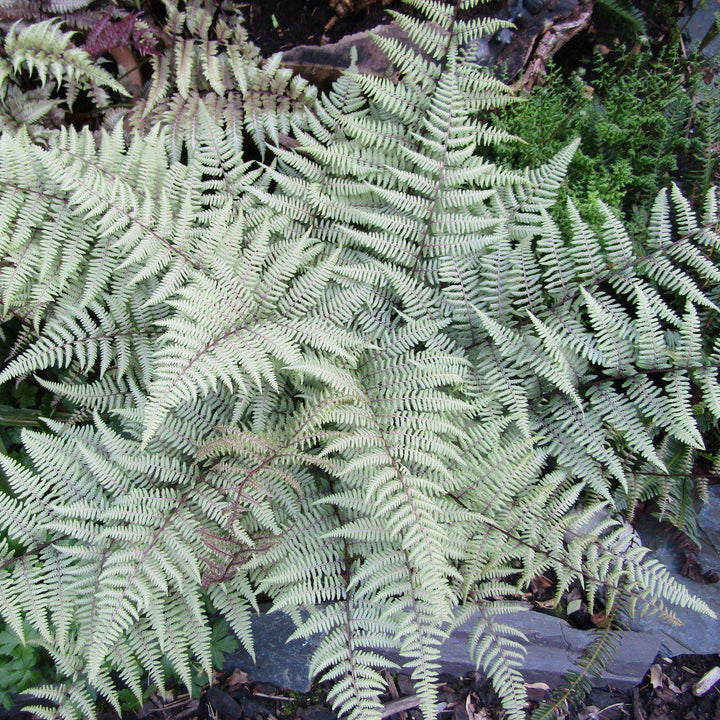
{"x":666,"y":693}
{"x":275,"y":25}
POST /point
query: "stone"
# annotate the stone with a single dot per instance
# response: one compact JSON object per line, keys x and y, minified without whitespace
{"x":316,"y":712}
{"x":698,"y":25}
{"x":223,"y":705}
{"x":552,"y":649}
{"x":698,"y":634}
{"x":254,"y":707}
{"x":277,"y":661}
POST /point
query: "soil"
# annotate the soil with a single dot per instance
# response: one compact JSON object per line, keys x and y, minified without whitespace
{"x":672,"y":698}
{"x":276,"y":25}
{"x":666,"y":693}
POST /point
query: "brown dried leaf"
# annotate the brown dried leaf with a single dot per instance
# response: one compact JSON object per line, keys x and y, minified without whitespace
{"x":236,"y":680}
{"x":474,"y":710}
{"x":600,"y":620}
{"x":124,"y":57}
{"x":539,"y":583}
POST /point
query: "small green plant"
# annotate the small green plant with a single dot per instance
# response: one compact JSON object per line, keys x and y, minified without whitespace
{"x":22,"y":665}
{"x":643,"y":121}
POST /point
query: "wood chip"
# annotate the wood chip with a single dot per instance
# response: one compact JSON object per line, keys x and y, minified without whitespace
{"x":656,"y":676}
{"x":406,"y":703}
{"x":638,"y":710}
{"x":672,"y":686}
{"x":398,"y":706}
{"x":706,"y":682}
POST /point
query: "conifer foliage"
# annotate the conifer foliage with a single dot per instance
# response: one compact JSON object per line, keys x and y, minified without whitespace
{"x":366,"y":376}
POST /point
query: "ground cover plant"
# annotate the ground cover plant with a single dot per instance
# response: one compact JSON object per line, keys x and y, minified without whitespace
{"x":645,"y":119}
{"x":319,"y":348}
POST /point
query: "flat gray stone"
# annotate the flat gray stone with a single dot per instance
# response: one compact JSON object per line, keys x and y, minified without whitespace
{"x":698,"y":634}
{"x":552,"y":649}
{"x":277,"y":661}
{"x":699,"y":24}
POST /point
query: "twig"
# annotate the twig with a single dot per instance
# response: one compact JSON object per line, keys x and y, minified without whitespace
{"x":394,"y":693}
{"x":614,"y":706}
{"x":164,"y":707}
{"x":272,"y":697}
{"x":398,"y":706}
{"x":186,"y":714}
{"x":407,"y":703}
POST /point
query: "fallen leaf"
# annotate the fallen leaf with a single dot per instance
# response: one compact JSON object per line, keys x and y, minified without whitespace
{"x":537,"y":686}
{"x":657,"y":676}
{"x":574,"y":601}
{"x":474,"y":710}
{"x":591,"y":712}
{"x":539,"y":583}
{"x":238,"y":678}
{"x":536,"y":691}
{"x":124,"y":57}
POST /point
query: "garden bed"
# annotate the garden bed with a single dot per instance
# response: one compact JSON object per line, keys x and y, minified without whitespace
{"x":313,"y":42}
{"x":665,"y":693}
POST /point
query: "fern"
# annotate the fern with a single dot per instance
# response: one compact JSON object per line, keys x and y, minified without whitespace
{"x":366,"y":375}
{"x":210,"y":61}
{"x":59,"y":71}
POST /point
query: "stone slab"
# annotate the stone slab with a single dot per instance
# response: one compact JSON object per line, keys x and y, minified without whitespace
{"x":277,"y":661}
{"x":698,"y":25}
{"x":552,"y":649}
{"x":698,"y":634}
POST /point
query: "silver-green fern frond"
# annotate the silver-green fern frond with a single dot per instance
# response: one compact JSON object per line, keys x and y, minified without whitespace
{"x":368,"y":376}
